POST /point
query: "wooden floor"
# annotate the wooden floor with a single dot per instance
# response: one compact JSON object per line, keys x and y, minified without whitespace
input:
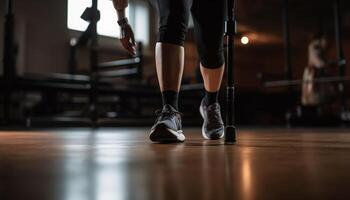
{"x":113,"y":164}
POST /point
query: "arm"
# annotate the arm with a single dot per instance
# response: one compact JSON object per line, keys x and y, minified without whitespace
{"x":120,"y":6}
{"x":316,"y":55}
{"x":126,"y":33}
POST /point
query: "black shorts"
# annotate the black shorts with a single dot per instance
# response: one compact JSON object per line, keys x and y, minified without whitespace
{"x":209,"y":24}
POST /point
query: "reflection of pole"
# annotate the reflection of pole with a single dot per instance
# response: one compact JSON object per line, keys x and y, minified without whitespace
{"x":9,"y":71}
{"x":287,"y":53}
{"x":230,"y":166}
{"x":93,"y":63}
{"x":230,"y":129}
{"x":340,"y":52}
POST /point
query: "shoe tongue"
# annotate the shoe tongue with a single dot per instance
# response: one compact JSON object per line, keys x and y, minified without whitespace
{"x":168,"y":107}
{"x":213,"y":106}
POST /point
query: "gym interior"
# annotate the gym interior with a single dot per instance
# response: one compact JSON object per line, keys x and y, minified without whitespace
{"x":76,"y":109}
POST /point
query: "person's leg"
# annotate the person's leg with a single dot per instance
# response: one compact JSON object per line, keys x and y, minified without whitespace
{"x":212,"y":78}
{"x":173,"y":19}
{"x":169,"y":64}
{"x":210,"y":44}
{"x":209,"y":32}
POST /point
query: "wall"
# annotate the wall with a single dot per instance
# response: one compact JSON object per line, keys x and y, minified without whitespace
{"x":42,"y":35}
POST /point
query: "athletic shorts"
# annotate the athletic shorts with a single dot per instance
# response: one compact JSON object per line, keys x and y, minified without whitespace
{"x":209,"y":24}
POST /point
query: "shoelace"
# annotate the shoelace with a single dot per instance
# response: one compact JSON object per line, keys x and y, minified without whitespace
{"x":160,"y":112}
{"x":214,"y":115}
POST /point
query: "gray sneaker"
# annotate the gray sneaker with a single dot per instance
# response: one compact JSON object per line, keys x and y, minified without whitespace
{"x":168,"y":126}
{"x":213,"y":126}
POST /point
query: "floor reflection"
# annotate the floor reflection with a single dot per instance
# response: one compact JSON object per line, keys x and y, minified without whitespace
{"x":121,"y":164}
{"x":95,"y":170}
{"x":246,"y":173}
{"x":100,"y":170}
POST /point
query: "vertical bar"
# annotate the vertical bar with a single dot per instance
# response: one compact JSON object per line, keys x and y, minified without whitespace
{"x":340,"y":52}
{"x":287,"y":58}
{"x":140,"y":65}
{"x":9,"y":7}
{"x":93,"y":64}
{"x":72,"y":62}
{"x":9,"y":71}
{"x":286,"y":40}
{"x":8,"y":60}
{"x":230,"y":129}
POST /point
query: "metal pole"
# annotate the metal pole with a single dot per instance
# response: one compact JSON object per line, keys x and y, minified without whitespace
{"x":340,"y":52}
{"x":9,"y":7}
{"x":93,"y":64}
{"x":286,"y":39}
{"x":287,"y":53}
{"x":8,"y":60}
{"x":140,"y":65}
{"x":9,"y":71}
{"x":230,"y":129}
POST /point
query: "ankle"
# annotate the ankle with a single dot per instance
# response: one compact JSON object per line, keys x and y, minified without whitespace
{"x":210,"y":98}
{"x":170,"y":97}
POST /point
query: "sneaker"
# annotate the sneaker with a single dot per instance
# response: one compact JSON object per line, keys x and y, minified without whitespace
{"x":168,"y":126}
{"x":213,"y":126}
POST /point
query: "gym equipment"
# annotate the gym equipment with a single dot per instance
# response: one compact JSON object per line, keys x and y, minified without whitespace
{"x":72,"y":84}
{"x":287,"y":52}
{"x":284,"y":83}
{"x":97,"y":70}
{"x":230,"y":29}
{"x":287,"y":83}
{"x":340,"y":62}
{"x":340,"y":56}
{"x":66,"y":99}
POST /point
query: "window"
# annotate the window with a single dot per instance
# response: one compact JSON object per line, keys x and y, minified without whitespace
{"x":141,"y":22}
{"x":108,"y":26}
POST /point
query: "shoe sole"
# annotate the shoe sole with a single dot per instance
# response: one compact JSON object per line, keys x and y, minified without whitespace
{"x":162,"y":134}
{"x":203,"y":132}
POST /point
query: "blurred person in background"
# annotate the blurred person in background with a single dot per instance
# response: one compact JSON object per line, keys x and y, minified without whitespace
{"x":313,"y":93}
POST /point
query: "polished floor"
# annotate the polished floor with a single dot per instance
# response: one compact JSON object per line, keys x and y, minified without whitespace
{"x":120,"y":163}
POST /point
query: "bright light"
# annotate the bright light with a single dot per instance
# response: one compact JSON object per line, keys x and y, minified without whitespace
{"x":244,"y":40}
{"x":141,"y":23}
{"x":107,"y":25}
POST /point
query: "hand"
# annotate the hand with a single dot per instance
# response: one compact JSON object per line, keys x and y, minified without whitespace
{"x":127,"y":38}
